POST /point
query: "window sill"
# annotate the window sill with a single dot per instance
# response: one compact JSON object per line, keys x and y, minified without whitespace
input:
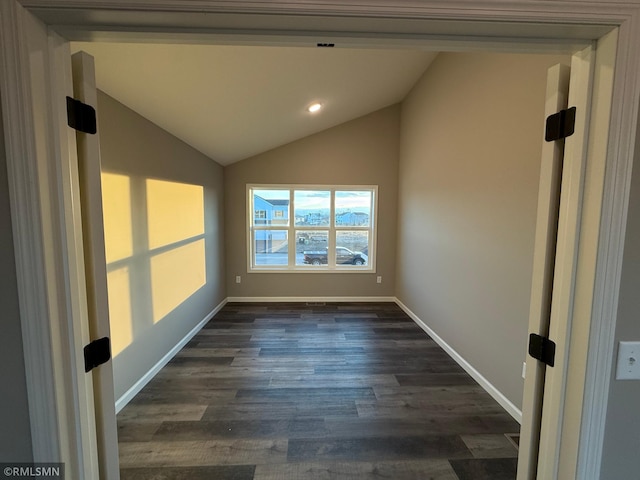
{"x":313,"y":270}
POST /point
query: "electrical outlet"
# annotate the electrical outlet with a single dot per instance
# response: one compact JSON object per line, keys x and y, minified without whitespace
{"x":238,"y":279}
{"x":628,"y":367}
{"x":379,"y":279}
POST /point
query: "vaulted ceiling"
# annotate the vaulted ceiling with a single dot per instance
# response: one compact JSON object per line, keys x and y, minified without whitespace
{"x":233,"y":102}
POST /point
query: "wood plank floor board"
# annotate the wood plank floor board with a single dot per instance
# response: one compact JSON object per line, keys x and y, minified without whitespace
{"x":490,"y":446}
{"x":282,"y":361}
{"x":201,"y":453}
{"x":303,"y":394}
{"x":223,"y":337}
{"x":219,"y":429}
{"x":258,"y":371}
{"x":266,"y":340}
{"x":332,"y":381}
{"x":485,"y":469}
{"x":373,"y":320}
{"x":134,"y":431}
{"x":218,"y":352}
{"x":381,"y":368}
{"x":300,"y":391}
{"x":207,"y":343}
{"x":193,"y":361}
{"x":429,"y":379}
{"x":181,"y":397}
{"x":236,"y":320}
{"x":171,"y":380}
{"x":234,"y":472}
{"x":408,"y":470}
{"x":161,"y":412}
{"x":282,"y":410}
{"x":440,"y":393}
{"x":304,"y":352}
{"x":420,"y":409}
{"x":370,"y":352}
{"x":427,"y":424}
{"x":240,"y":329}
{"x":373,"y":448}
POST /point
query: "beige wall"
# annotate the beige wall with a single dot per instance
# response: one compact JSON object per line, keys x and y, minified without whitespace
{"x":163,"y":208}
{"x":469,"y":168}
{"x":360,"y":152}
{"x":14,"y":407}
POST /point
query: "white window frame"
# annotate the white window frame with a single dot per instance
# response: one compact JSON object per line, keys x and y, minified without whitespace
{"x":332,"y":230}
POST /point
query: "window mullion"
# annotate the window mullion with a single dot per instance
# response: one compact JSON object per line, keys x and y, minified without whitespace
{"x":293,"y":246}
{"x":331,"y":242}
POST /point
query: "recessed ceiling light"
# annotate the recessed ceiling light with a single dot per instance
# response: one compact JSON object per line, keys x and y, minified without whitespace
{"x":314,"y":107}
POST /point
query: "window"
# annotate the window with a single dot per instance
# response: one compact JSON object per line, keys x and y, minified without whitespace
{"x":331,"y":228}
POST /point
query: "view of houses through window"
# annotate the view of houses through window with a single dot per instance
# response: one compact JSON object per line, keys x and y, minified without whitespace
{"x":316,"y":228}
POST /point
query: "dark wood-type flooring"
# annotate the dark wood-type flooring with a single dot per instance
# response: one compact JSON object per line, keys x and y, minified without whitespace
{"x":307,"y":392}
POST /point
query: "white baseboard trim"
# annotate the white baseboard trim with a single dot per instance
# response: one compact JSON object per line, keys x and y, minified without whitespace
{"x":514,"y":411}
{"x":310,"y":299}
{"x":147,"y":377}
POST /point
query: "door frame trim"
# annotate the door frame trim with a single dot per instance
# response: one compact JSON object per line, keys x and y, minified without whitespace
{"x":28,"y":167}
{"x":29,"y":240}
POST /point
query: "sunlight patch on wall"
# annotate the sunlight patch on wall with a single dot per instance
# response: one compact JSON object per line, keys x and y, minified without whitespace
{"x":119,"y":287}
{"x":116,"y":201}
{"x":175,"y":212}
{"x":175,"y":276}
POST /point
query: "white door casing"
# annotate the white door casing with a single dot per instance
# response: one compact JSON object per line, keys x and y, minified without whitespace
{"x":573,"y":462}
{"x":45,"y":207}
